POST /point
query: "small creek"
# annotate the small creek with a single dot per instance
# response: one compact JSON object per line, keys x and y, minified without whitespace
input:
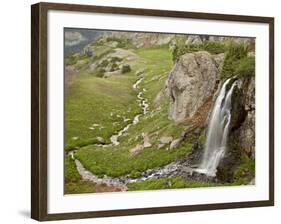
{"x":119,"y":182}
{"x":172,"y":168}
{"x":142,"y":102}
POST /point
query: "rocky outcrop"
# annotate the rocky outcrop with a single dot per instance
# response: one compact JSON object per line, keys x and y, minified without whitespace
{"x":219,"y":59}
{"x":145,"y":40}
{"x":246,"y":132}
{"x":193,"y":39}
{"x":243,"y":115}
{"x":190,"y":84}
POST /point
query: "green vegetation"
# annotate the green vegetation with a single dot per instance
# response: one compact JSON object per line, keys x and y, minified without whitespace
{"x":245,"y":67}
{"x":245,"y":172}
{"x":213,"y":47}
{"x":79,"y":187}
{"x":117,"y":161}
{"x":237,"y":62}
{"x":125,"y":69}
{"x":168,"y":183}
{"x":73,"y":182}
{"x":94,"y":104}
{"x":70,"y":174}
{"x":74,"y":58}
{"x":202,"y":139}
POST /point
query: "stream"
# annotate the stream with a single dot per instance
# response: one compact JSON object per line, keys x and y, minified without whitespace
{"x":143,"y":104}
{"x":172,"y":168}
{"x":119,"y":182}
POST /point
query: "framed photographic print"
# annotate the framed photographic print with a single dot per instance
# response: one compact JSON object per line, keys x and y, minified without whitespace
{"x":139,"y":111}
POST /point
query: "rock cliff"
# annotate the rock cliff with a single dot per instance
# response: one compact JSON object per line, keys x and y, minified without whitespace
{"x":190,"y":84}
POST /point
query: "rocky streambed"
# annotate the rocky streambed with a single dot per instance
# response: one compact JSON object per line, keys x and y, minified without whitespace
{"x":185,"y":167}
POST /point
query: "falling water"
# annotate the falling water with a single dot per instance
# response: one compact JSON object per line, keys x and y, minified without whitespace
{"x":217,"y":134}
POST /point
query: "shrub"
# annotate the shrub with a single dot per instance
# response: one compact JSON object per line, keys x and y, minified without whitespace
{"x":104,"y":63}
{"x":213,"y":47}
{"x":100,"y":72}
{"x":245,"y":67}
{"x":125,"y":69}
{"x":73,"y":58}
{"x":115,"y":59}
{"x":114,"y":67}
{"x":234,"y":54}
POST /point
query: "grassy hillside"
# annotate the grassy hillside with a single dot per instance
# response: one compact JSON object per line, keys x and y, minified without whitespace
{"x":96,"y":107}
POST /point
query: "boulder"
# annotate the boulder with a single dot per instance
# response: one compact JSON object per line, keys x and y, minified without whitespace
{"x":166,"y":139}
{"x":161,"y":145}
{"x":136,"y":150}
{"x":190,"y":84}
{"x":100,"y":140}
{"x":146,"y":143}
{"x":175,"y":143}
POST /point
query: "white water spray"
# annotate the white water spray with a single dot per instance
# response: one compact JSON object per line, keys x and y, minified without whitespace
{"x":217,"y":133}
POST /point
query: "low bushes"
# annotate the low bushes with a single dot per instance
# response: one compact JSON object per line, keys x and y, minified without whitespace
{"x":125,"y":69}
{"x":213,"y":47}
{"x":245,"y":67}
{"x":237,"y":62}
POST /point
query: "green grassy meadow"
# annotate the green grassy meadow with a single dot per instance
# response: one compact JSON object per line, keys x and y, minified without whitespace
{"x":93,"y":101}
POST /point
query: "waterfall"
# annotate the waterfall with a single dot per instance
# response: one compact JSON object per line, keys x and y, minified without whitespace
{"x":217,"y":132}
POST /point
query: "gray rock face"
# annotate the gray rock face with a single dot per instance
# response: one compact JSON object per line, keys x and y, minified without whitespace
{"x":150,"y":39}
{"x":191,"y":82}
{"x":246,"y":133}
{"x":219,"y":59}
{"x":193,"y":39}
